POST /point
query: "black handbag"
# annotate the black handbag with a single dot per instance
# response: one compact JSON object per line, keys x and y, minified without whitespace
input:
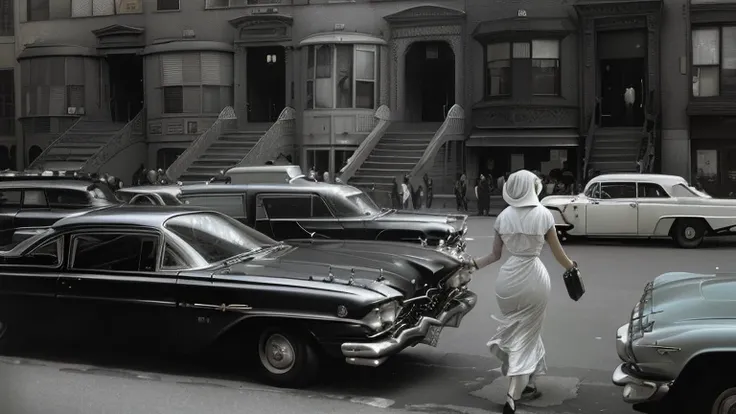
{"x":574,"y":283}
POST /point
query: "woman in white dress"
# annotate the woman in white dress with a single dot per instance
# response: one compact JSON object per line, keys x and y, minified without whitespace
{"x":523,"y":284}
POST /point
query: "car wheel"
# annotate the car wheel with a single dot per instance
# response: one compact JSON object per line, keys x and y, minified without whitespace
{"x":287,"y":359}
{"x":689,"y":233}
{"x":725,"y":403}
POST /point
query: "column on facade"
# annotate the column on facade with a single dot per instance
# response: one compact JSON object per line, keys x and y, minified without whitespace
{"x":291,"y":69}
{"x":384,"y":68}
{"x":240,"y":95}
{"x":457,"y":48}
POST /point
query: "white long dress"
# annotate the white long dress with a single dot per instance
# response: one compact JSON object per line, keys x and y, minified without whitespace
{"x":522,"y":291}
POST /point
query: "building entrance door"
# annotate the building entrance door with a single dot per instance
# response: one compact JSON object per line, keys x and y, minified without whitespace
{"x":266,"y":83}
{"x":618,"y":76}
{"x":429,"y":81}
{"x":126,"y":86}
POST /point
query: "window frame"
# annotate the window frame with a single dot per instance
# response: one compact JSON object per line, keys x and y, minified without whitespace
{"x":58,"y":238}
{"x":152,"y":233}
{"x":316,"y":196}
{"x":266,"y":196}
{"x":695,"y":69}
{"x":356,"y":47}
{"x":7,"y":23}
{"x":16,"y":206}
{"x":531,"y":59}
{"x":68,"y":207}
{"x":36,"y":207}
{"x":618,"y":183}
{"x":29,"y":14}
{"x":643,"y":183}
{"x":200,"y":84}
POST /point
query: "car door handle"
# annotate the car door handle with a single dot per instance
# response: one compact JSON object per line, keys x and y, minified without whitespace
{"x":632,"y":205}
{"x":595,"y":202}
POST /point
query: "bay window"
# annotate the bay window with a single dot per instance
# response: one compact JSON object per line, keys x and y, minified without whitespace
{"x":714,"y":61}
{"x":196,"y":82}
{"x":341,"y":76}
{"x":537,"y":61}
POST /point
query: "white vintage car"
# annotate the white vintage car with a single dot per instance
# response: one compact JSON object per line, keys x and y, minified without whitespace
{"x":643,"y":206}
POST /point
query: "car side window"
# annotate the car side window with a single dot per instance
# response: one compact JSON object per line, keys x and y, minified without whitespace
{"x":231,"y":205}
{"x":34,"y":199}
{"x":125,"y":252}
{"x":10,"y":198}
{"x":173,"y":258}
{"x":287,"y":207}
{"x":49,"y":254}
{"x":617,"y":190}
{"x":63,"y":198}
{"x":651,"y":190}
{"x":319,"y":208}
{"x":594,"y":191}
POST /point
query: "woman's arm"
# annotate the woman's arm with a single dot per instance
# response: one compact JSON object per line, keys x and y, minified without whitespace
{"x":557,"y":250}
{"x":493,"y":256}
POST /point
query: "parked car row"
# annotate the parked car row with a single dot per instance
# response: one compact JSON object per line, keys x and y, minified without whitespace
{"x":201,"y":266}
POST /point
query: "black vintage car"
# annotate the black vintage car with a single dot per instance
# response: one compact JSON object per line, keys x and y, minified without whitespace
{"x":310,"y":209}
{"x":28,"y":202}
{"x":182,"y":278}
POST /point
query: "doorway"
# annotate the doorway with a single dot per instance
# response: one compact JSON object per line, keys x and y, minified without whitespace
{"x":266,"y":83}
{"x":430,"y":81}
{"x":126,"y":86}
{"x":618,"y":75}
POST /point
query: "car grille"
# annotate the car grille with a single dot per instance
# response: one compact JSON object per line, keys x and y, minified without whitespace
{"x":640,"y":314}
{"x":432,"y":304}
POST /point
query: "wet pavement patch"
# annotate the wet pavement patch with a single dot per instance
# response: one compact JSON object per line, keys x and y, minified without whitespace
{"x":555,"y":391}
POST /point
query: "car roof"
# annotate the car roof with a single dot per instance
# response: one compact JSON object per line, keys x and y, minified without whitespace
{"x":128,"y":216}
{"x":62,"y":184}
{"x":148,"y":189}
{"x":663,"y":179}
{"x":297,"y":187}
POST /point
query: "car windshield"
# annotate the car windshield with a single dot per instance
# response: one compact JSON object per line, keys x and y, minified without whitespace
{"x":102,"y":192}
{"x":216,"y":237}
{"x":170,"y":200}
{"x":363,"y":204}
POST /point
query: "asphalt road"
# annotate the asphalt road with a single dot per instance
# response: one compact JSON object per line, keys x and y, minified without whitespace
{"x":456,"y":377}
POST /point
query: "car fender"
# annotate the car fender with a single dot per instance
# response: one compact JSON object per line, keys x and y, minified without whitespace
{"x":716,"y":224}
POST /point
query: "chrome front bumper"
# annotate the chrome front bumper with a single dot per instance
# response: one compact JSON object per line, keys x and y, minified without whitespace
{"x":636,"y":390}
{"x":376,"y":353}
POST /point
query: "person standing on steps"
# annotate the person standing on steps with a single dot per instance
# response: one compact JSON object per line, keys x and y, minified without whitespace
{"x":428,"y":186}
{"x":523,"y":285}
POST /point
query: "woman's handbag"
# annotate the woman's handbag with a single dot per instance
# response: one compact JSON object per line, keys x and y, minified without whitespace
{"x":574,"y":283}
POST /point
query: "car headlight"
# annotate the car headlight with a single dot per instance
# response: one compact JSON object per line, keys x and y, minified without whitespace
{"x":383,"y":316}
{"x":458,"y":279}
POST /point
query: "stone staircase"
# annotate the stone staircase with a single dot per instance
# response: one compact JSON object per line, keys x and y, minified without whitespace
{"x":394,"y":155}
{"x":229,"y":149}
{"x":77,"y":145}
{"x":616,"y":150}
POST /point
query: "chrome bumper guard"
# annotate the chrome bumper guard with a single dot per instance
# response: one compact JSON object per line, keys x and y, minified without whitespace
{"x":374,"y":354}
{"x":637,"y":390}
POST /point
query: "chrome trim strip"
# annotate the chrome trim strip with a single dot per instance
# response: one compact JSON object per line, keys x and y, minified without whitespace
{"x":221,"y":308}
{"x":121,"y":300}
{"x":637,"y":390}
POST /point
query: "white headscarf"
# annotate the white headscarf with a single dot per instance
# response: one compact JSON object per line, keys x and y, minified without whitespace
{"x":522,"y":189}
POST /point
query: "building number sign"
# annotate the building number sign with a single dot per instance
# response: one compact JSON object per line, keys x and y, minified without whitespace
{"x":521,"y":13}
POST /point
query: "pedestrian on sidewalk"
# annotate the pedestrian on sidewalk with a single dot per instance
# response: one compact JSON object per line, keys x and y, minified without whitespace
{"x":430,"y":192}
{"x":523,"y":285}
{"x":406,"y":194}
{"x":396,"y":194}
{"x":483,"y":194}
{"x":461,"y":188}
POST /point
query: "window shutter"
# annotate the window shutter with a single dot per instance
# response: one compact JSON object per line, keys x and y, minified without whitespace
{"x":103,"y":7}
{"x":211,"y":64}
{"x":171,"y":65}
{"x":57,"y":100}
{"x":191,"y":69}
{"x":42,"y":100}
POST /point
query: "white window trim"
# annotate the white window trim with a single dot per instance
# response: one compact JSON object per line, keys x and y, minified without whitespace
{"x":356,"y":47}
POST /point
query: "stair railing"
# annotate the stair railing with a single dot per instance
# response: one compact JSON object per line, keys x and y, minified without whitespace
{"x":277,"y":140}
{"x":590,"y":137}
{"x":130,"y":134}
{"x":200,"y":145}
{"x":37,"y":163}
{"x":383,"y":115}
{"x":646,"y":147}
{"x":454,"y":124}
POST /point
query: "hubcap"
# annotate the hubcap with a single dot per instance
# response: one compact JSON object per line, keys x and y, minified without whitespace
{"x":277,"y":354}
{"x":726,"y":404}
{"x":690,"y":233}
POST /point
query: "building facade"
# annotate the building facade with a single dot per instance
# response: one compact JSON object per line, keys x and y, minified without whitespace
{"x":541,"y":82}
{"x":8,"y":123}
